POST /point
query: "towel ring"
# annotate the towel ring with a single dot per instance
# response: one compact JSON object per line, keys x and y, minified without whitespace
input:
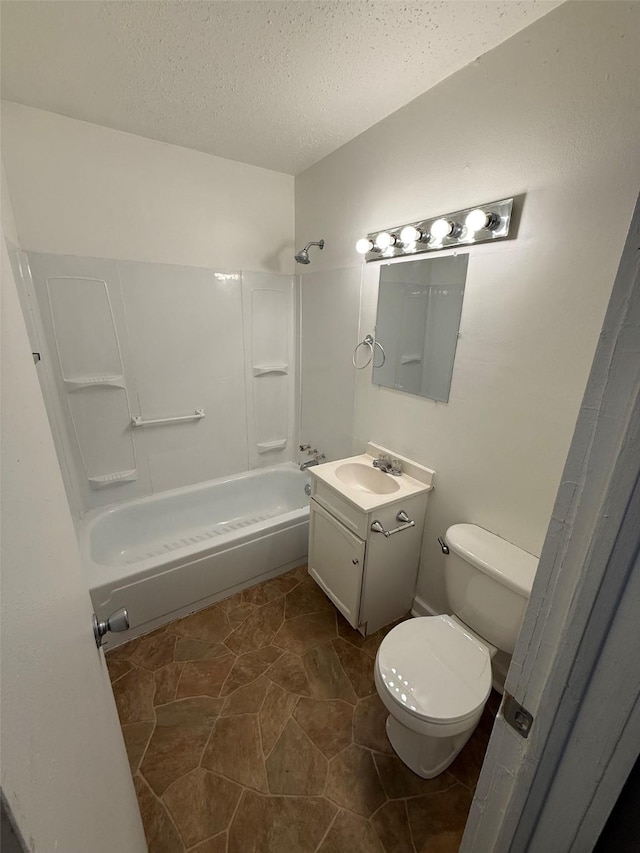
{"x":369,"y":342}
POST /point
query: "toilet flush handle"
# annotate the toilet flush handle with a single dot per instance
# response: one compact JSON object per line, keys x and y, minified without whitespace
{"x":443,"y":545}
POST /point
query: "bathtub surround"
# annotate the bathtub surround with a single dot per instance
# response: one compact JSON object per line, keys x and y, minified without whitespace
{"x":122,"y":339}
{"x":554,"y":114}
{"x":265,"y":706}
{"x":330,"y":302}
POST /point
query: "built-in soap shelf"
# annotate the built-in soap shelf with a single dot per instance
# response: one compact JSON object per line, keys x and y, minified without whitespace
{"x":410,"y":358}
{"x":113,"y":479}
{"x":268,"y":446}
{"x":265,"y":369}
{"x":92,"y":381}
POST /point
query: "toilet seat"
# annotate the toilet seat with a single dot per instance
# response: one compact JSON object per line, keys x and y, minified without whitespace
{"x":434,"y":671}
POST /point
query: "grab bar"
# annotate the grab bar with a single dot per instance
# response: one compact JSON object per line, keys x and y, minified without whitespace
{"x":139,"y":421}
{"x":368,"y":342}
{"x":402,"y":516}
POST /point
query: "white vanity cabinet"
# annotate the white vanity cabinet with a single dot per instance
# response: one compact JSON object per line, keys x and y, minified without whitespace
{"x":369,"y":577}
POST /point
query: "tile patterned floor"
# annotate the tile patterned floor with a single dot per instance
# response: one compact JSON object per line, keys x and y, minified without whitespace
{"x":254,"y":727}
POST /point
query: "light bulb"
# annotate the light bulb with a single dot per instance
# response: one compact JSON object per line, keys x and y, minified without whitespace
{"x":478,"y":219}
{"x":384,"y":240}
{"x":364,"y":245}
{"x":441,"y":228}
{"x":410,"y":234}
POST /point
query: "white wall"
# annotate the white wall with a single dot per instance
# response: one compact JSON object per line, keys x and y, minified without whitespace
{"x":81,"y":189}
{"x":554,"y":114}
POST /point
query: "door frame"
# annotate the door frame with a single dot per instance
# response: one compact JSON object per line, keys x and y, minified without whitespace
{"x":574,"y":667}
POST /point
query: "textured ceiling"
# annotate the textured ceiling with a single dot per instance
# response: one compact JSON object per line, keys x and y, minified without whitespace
{"x":276,"y":84}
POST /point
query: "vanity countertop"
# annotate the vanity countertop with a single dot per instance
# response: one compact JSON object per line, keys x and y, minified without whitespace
{"x":367,"y":488}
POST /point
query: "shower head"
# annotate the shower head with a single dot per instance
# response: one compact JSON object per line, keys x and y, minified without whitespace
{"x":302,"y":257}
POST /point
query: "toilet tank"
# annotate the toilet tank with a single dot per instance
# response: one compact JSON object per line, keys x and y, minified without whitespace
{"x":488,"y":583}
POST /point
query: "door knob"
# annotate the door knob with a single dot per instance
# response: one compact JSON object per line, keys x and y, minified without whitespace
{"x":118,"y":621}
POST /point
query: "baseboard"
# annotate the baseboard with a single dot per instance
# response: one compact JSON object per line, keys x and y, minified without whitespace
{"x":421,"y":608}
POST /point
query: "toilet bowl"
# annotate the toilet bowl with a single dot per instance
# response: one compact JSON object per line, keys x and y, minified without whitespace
{"x":433,"y":673}
{"x":434,"y":679}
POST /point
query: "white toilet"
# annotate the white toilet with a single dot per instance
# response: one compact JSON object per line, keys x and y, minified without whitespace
{"x":433,"y":673}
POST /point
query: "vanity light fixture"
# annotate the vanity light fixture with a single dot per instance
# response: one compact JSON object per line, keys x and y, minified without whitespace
{"x":385,"y":240}
{"x":410,"y":234}
{"x":479,"y":219}
{"x":365,"y":245}
{"x":478,"y":224}
{"x":442,"y":228}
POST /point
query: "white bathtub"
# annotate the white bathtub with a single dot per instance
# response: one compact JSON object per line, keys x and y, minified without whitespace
{"x":175,"y":552}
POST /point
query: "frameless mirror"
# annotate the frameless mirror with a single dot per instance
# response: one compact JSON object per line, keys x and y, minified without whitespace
{"x":419,"y":308}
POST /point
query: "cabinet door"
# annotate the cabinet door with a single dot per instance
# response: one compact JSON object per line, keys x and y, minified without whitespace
{"x":336,"y":562}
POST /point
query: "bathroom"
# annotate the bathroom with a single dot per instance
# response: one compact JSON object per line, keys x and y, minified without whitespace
{"x":186,"y":239}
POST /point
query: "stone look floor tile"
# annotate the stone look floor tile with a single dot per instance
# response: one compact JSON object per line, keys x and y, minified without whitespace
{"x":257,"y":630}
{"x":436,"y":818}
{"x":327,"y":678}
{"x":304,"y":632}
{"x":295,"y":766}
{"x":350,"y":634}
{"x":289,"y":754}
{"x":204,"y":677}
{"x":217,"y":844}
{"x":247,"y":699}
{"x":250,"y":666}
{"x":201,"y":805}
{"x":289,"y":673}
{"x":328,"y":722}
{"x":118,"y":668}
{"x":136,"y":738}
{"x":351,"y":834}
{"x":166,"y":680}
{"x":276,"y":710}
{"x":234,"y":750}
{"x":266,"y":591}
{"x":279,"y":824}
{"x":188,"y":649}
{"x":369,"y":724}
{"x":306,"y":598}
{"x":392,"y":825}
{"x":358,"y":665}
{"x":134,"y":694}
{"x":399,"y":782}
{"x":154,"y":651}
{"x":177,"y":743}
{"x":123,"y":651}
{"x":210,"y":625}
{"x":466,"y":767}
{"x":353,"y":782}
{"x":160,"y":832}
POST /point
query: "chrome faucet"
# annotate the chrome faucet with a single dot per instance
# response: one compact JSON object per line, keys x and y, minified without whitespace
{"x":389,"y":466}
{"x":317,"y":459}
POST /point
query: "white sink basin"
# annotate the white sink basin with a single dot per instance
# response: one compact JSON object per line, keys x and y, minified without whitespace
{"x":366,"y":478}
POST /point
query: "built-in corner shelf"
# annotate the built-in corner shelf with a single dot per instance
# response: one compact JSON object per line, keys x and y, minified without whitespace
{"x":90,"y":381}
{"x":268,"y":446}
{"x":113,"y":479}
{"x":265,"y":369}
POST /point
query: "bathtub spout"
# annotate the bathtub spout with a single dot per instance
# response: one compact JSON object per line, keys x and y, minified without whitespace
{"x":320,"y":457}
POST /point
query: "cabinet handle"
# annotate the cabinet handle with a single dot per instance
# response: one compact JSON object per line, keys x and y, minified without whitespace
{"x":355,"y":562}
{"x":402,"y":516}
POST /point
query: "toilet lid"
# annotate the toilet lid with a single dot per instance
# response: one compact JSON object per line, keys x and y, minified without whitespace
{"x":434,"y":669}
